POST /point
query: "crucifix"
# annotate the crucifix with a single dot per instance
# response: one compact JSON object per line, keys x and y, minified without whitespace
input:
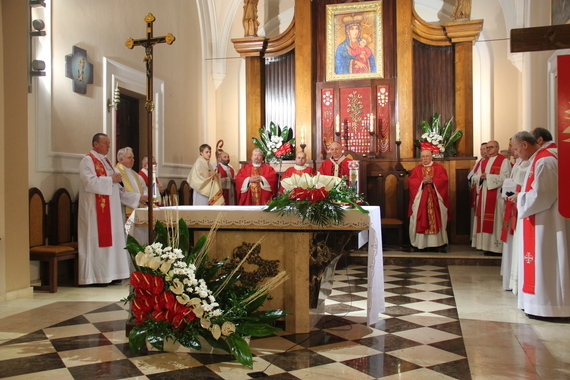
{"x":148,"y":44}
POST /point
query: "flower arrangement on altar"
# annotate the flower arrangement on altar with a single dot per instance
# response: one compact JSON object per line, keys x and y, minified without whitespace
{"x":320,"y":199}
{"x":181,"y":295}
{"x":438,"y":138}
{"x":276,"y":143}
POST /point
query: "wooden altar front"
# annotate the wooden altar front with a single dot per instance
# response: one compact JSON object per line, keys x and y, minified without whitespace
{"x":300,"y":248}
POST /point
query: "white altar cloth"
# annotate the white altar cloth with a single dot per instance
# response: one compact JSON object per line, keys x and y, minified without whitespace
{"x":253,"y":217}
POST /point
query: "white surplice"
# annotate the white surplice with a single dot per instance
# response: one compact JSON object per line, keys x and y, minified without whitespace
{"x":552,"y":266}
{"x":486,"y":241}
{"x":101,"y":265}
{"x":510,"y":185}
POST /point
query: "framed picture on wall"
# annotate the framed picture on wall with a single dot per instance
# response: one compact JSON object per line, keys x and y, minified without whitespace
{"x":560,"y":11}
{"x":354,"y":41}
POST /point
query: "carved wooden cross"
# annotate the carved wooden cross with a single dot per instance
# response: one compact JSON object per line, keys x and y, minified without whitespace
{"x":148,"y":44}
{"x":540,"y":38}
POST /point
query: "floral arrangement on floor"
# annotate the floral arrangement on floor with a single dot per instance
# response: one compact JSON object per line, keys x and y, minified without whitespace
{"x":276,"y":143}
{"x":181,"y":295}
{"x":320,"y":199}
{"x":438,"y":138}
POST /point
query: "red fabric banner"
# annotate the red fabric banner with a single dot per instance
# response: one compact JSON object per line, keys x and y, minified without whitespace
{"x":563,"y":133}
{"x":383,"y":118}
{"x":355,"y":112}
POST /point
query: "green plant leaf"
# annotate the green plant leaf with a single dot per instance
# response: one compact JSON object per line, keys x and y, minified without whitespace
{"x":197,"y":248}
{"x":269,"y":315}
{"x":161,"y":234}
{"x":133,"y":247}
{"x":190,"y":341}
{"x":184,"y":237}
{"x":220,"y":343}
{"x":137,"y":338}
{"x":256,"y":304}
{"x":273,"y":129}
{"x":240,"y":350}
{"x":257,"y":329}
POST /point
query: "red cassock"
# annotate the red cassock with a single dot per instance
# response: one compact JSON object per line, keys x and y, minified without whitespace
{"x":292,"y":170}
{"x":429,"y":196}
{"x":327,"y":167}
{"x":255,"y":195}
{"x":224,"y":174}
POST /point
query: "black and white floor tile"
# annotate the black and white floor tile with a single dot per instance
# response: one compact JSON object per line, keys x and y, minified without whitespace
{"x":418,"y":337}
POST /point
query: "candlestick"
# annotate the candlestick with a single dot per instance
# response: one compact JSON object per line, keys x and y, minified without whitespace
{"x":398,"y":132}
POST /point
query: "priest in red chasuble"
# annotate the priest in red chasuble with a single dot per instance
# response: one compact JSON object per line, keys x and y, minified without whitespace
{"x":300,"y":168}
{"x":256,"y":182}
{"x":337,"y":164}
{"x":429,"y":204}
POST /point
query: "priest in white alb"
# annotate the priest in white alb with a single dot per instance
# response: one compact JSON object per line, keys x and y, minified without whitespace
{"x":205,"y":180}
{"x":544,"y":282}
{"x":489,"y":207}
{"x":103,"y":258}
{"x":132,"y":181}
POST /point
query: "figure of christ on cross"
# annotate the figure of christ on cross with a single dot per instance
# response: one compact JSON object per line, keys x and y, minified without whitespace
{"x":148,"y":44}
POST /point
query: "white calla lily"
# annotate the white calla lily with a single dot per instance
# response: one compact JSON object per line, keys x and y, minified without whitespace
{"x":216,"y":332}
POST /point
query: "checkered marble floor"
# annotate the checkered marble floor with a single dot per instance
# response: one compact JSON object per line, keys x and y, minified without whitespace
{"x":418,"y":337}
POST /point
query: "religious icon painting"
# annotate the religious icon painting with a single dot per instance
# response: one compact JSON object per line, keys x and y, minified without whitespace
{"x":79,"y":70}
{"x":560,"y":11}
{"x":354,"y":41}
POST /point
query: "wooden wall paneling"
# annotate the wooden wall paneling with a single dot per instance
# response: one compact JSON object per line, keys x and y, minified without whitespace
{"x":434,"y":84}
{"x":404,"y":69}
{"x":305,"y":72}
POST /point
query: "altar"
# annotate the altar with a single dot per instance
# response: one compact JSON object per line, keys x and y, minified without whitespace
{"x":307,"y":252}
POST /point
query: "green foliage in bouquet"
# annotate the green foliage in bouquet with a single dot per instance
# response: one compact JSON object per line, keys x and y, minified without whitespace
{"x":182,"y":295}
{"x":438,"y":138}
{"x":320,"y":199}
{"x":276,"y":142}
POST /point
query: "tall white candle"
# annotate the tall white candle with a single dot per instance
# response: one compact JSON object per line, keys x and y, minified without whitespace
{"x":337,"y":124}
{"x":371,"y":123}
{"x":398,"y":132}
{"x":303,"y":135}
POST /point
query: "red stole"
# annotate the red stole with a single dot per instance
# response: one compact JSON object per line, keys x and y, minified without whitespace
{"x":529,"y":233}
{"x":491,"y":198}
{"x":224,"y":174}
{"x":509,"y":218}
{"x":255,"y":188}
{"x":103,"y":207}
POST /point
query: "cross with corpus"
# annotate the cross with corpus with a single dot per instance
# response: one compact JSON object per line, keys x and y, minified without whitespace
{"x":148,"y":44}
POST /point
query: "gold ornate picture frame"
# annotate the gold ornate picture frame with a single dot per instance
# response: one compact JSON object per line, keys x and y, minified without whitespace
{"x":355,"y":48}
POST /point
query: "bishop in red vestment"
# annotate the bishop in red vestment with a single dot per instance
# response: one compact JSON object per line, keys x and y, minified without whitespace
{"x":429,"y":204}
{"x":256,"y":182}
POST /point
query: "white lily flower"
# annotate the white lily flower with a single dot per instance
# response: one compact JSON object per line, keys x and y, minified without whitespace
{"x":216,"y":331}
{"x":199,"y":311}
{"x":165,"y":266}
{"x":183,"y":299}
{"x":228,"y":328}
{"x":177,"y":287}
{"x":154,"y":262}
{"x":205,"y":323}
{"x":141,"y":259}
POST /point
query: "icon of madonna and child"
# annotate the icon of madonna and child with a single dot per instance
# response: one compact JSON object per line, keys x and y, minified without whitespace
{"x":354,"y":55}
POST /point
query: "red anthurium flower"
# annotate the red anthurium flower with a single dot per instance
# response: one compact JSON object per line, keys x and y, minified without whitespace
{"x":299,"y":194}
{"x":319,"y":194}
{"x":157,"y":284}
